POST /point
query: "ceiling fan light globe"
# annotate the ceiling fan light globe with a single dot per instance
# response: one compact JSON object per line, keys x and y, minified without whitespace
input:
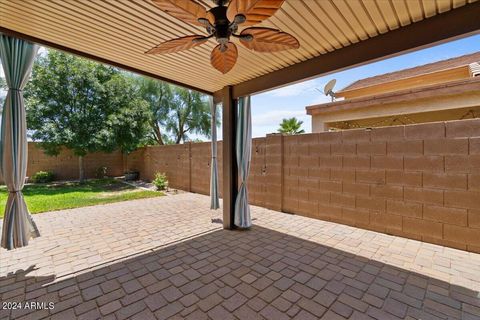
{"x":240,"y":18}
{"x":204,"y":21}
{"x":246,"y":37}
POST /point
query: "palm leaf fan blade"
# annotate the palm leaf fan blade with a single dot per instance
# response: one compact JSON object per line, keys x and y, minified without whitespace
{"x":254,"y":10}
{"x":224,"y":60}
{"x":185,"y":10}
{"x":268,"y":40}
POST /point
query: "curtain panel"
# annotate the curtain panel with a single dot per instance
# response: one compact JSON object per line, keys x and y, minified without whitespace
{"x":17,"y":60}
{"x":214,"y":196}
{"x":243,"y":153}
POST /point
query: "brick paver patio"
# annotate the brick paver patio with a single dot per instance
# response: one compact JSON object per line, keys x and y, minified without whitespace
{"x":164,"y":258}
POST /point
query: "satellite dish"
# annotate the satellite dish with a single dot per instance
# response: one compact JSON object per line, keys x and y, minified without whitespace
{"x":328,"y":89}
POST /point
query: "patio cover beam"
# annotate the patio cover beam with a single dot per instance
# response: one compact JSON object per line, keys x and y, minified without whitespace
{"x":60,"y":47}
{"x":457,"y":23}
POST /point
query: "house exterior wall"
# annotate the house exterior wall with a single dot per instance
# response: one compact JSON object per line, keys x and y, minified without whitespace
{"x":425,"y":110}
{"x":417,"y":181}
{"x":410,"y":118}
{"x":431,"y":94}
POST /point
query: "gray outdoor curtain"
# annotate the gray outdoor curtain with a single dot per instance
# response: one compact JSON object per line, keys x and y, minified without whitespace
{"x":214,"y":200}
{"x":17,"y":60}
{"x":244,"y":153}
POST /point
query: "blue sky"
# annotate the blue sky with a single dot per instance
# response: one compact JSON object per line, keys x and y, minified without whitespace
{"x":269,"y":108}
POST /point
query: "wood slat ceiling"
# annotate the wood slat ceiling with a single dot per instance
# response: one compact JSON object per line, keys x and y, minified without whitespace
{"x":122,"y":30}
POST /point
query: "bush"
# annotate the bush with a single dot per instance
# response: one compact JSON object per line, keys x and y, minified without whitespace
{"x":160,"y":181}
{"x":43,"y":177}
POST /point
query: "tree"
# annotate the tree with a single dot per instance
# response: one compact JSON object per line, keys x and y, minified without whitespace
{"x":159,"y":97}
{"x":189,"y":113}
{"x":129,"y":124}
{"x":176,"y":112}
{"x":291,"y":126}
{"x":81,"y":105}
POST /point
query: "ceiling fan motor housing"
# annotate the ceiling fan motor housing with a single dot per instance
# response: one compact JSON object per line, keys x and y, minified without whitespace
{"x":222,"y":30}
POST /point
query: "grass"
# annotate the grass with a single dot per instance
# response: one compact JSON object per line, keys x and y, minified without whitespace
{"x":58,"y":196}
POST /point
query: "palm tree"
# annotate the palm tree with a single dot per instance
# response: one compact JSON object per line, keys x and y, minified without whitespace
{"x":291,"y":126}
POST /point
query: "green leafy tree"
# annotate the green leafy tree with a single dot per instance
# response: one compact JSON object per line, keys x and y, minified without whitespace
{"x":81,"y":105}
{"x":291,"y":126}
{"x":129,"y":124}
{"x":159,"y":97}
{"x":175,"y":112}
{"x":189,"y":113}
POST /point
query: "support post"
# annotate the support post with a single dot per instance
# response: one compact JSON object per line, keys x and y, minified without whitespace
{"x":230,"y":170}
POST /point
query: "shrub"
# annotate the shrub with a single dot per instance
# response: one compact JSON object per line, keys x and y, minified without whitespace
{"x":160,"y":181}
{"x":101,"y":172}
{"x":43,"y":177}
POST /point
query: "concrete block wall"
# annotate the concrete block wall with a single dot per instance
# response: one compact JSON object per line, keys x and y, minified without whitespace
{"x":200,"y":155}
{"x":65,"y":165}
{"x":257,"y":179}
{"x":417,"y":181}
{"x":173,"y":160}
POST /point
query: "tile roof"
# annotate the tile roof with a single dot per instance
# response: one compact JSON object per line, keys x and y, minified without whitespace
{"x":423,"y":69}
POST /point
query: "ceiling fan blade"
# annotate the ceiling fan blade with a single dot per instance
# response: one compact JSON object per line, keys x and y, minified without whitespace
{"x":179,"y":44}
{"x":268,"y":40}
{"x":186,"y":10}
{"x":224,"y":61}
{"x":255,"y":10}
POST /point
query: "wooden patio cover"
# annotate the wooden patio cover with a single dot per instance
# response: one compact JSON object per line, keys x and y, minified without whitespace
{"x":333,"y":34}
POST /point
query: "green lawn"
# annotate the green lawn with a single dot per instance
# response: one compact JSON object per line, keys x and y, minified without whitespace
{"x":57,"y":196}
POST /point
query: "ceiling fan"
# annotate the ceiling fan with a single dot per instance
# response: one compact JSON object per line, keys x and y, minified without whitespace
{"x":222,"y":22}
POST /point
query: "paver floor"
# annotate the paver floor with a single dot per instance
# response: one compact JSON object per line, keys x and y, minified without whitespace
{"x":163,"y":258}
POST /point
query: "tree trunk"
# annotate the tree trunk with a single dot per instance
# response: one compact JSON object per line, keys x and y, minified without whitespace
{"x":81,"y":169}
{"x":179,"y":139}
{"x":157,"y":133}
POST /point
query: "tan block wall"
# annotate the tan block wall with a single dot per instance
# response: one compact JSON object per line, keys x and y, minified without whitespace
{"x":187,"y":167}
{"x":173,"y":160}
{"x":418,"y":181}
{"x":65,"y":165}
